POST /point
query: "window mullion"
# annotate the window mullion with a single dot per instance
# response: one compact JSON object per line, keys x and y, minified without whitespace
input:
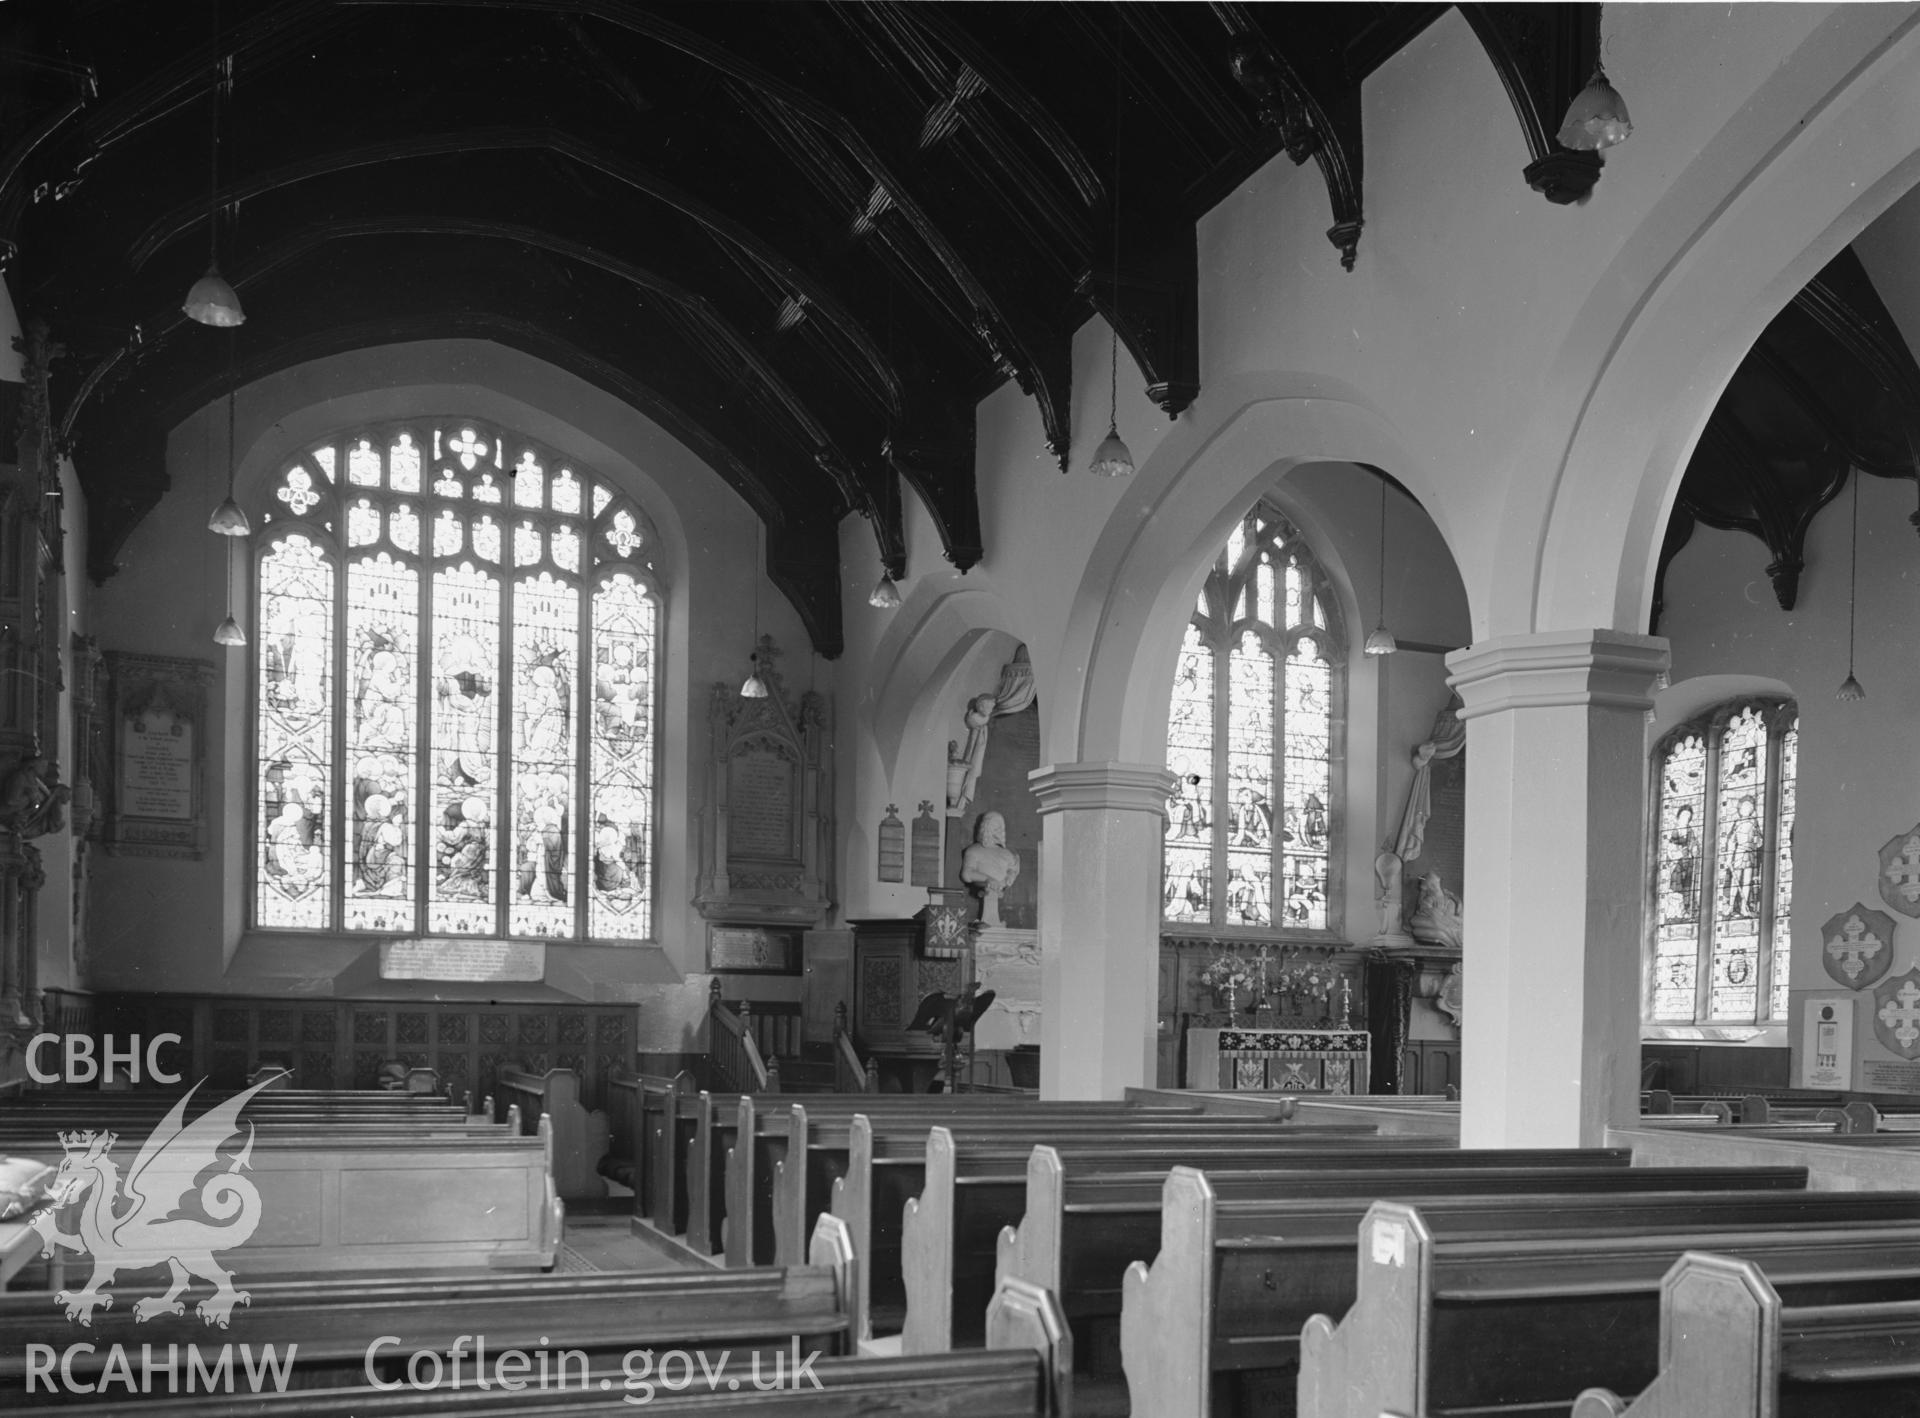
{"x":427,"y":676}
{"x":1769,"y":872}
{"x":503,"y":758}
{"x":1710,"y":883}
{"x":1222,"y":737}
{"x":581,"y":865}
{"x":341,"y":848}
{"x":1276,"y":846}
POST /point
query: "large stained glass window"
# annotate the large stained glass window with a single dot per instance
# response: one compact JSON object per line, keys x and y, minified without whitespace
{"x":1723,"y":876}
{"x":455,"y":674}
{"x":1251,"y":739}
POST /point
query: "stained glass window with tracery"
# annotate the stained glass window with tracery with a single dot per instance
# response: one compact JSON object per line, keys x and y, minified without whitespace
{"x":1251,"y":739}
{"x":1723,"y":876}
{"x":456,"y":691}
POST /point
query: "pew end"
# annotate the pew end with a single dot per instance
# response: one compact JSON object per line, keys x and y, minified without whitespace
{"x":926,"y":1253}
{"x":1024,"y":1316}
{"x":1719,"y":1346}
{"x":831,"y":1249}
{"x":1166,"y":1314}
{"x":1373,"y":1361}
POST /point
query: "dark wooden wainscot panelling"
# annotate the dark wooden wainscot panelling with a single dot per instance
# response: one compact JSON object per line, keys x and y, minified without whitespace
{"x":341,"y":1043}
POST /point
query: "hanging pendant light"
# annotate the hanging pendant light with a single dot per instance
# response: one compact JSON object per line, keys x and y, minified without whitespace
{"x":229,"y":519}
{"x":885,"y":595}
{"x":1113,"y":459}
{"x":1597,"y":117}
{"x":212,"y":301}
{"x":228,"y":631}
{"x":755,"y":687}
{"x":1851,"y":691}
{"x":1381,"y":642}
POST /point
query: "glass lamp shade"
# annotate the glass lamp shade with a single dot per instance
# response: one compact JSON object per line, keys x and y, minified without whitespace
{"x":1381,"y":642}
{"x":1112,"y":459}
{"x":228,"y":632}
{"x":1597,"y":117}
{"x":885,"y":595}
{"x":229,"y":521}
{"x":755,"y":687}
{"x":1851,"y":691}
{"x":213,"y":302}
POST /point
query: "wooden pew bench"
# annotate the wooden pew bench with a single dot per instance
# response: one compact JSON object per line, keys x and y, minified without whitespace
{"x":345,"y":1332}
{"x":999,"y":1383}
{"x":871,"y":1175}
{"x":719,"y":1170}
{"x":1730,"y":1348}
{"x":579,"y":1137}
{"x":1081,"y":1228}
{"x":886,"y":1184}
{"x":1485,"y":1314}
{"x":595,"y":1328}
{"x":343,"y":1199}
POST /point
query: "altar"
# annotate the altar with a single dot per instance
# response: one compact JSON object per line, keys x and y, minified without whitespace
{"x":1316,"y":1060}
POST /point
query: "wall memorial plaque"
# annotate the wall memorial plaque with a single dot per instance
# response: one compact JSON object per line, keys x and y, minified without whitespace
{"x":926,"y":847}
{"x":893,"y":846}
{"x":156,"y":795}
{"x":760,"y":792}
{"x":472,"y":961}
{"x":766,"y":838}
{"x":753,"y":950}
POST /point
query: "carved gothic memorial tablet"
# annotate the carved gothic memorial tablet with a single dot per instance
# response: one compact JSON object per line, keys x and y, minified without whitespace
{"x":760,"y":805}
{"x":156,"y":802}
{"x":156,"y":765}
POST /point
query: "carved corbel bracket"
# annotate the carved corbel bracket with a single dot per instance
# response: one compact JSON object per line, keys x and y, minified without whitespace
{"x":809,"y":582}
{"x":1314,"y":117}
{"x":933,"y":450}
{"x":1158,"y":318}
{"x":1544,"y":55}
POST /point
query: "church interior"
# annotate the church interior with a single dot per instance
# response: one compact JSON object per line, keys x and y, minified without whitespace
{"x":588,"y":647}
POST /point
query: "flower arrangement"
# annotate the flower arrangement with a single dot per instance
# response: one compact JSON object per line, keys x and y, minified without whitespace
{"x":1314,"y":979}
{"x":1228,"y":975}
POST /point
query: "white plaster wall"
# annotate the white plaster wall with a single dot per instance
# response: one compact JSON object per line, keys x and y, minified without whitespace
{"x":1855,"y":787}
{"x":179,"y":923}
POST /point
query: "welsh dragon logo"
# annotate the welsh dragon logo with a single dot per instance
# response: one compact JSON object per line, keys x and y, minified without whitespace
{"x":133,"y":1223}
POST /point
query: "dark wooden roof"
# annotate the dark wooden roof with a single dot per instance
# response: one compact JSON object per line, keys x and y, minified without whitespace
{"x":806,"y":237}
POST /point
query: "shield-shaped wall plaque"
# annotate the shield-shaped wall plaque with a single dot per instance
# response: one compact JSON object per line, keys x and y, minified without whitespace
{"x":1857,"y":946}
{"x":1900,"y":873}
{"x":1896,"y":1012}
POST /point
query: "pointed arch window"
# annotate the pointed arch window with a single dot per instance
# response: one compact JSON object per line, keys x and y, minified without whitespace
{"x":1724,"y":793}
{"x":454,"y":675}
{"x":1253,"y":738}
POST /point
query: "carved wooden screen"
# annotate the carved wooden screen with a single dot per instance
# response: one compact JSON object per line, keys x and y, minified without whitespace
{"x":455,"y":670}
{"x":1251,"y":738}
{"x":1723,"y":880}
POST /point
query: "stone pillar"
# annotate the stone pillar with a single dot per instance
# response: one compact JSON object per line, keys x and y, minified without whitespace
{"x":1101,"y":826}
{"x":1555,"y":882}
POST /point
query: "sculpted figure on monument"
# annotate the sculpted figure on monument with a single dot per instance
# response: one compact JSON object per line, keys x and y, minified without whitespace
{"x":1436,"y":919}
{"x":33,"y":800}
{"x":989,"y":865}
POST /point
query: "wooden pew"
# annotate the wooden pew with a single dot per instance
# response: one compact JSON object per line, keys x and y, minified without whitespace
{"x":714,"y":1174}
{"x":599,"y":1325}
{"x":339,"y":1199}
{"x":335,"y":1328}
{"x":1080,"y":1227}
{"x":1730,"y":1348}
{"x":579,"y":1137}
{"x":883,"y":1192}
{"x":1516,"y":1313}
{"x":997,"y":1383}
